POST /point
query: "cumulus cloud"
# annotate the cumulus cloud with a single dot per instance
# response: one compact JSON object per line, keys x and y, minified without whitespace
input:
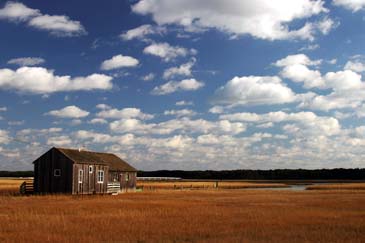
{"x":98,"y":121}
{"x":355,"y":65}
{"x":254,"y":90}
{"x":353,"y":5}
{"x":59,"y":141}
{"x":295,"y":68}
{"x":142,"y":32}
{"x":175,"y":86}
{"x":184,"y":103}
{"x":119,"y":61}
{"x":148,"y":77}
{"x":15,"y":11}
{"x":182,"y":70}
{"x":103,"y":106}
{"x":69,"y":112}
{"x":125,"y":113}
{"x":4,"y":137}
{"x":307,"y":120}
{"x":181,"y":125}
{"x":180,"y":113}
{"x":26,"y":61}
{"x":347,"y":92}
{"x":39,"y":80}
{"x":326,"y":25}
{"x":261,"y":19}
{"x":58,"y":25}
{"x":345,"y":88}
{"x":167,"y":52}
{"x":297,"y":59}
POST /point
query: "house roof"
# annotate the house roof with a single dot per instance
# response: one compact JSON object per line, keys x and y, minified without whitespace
{"x":90,"y":157}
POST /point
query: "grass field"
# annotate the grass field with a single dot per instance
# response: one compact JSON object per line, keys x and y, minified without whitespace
{"x":168,"y":185}
{"x":338,"y":186}
{"x":184,"y":216}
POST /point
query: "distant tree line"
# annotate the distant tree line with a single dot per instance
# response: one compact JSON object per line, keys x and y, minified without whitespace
{"x":16,"y":173}
{"x":280,"y":174}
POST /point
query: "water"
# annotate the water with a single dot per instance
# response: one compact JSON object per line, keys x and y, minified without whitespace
{"x":300,"y":187}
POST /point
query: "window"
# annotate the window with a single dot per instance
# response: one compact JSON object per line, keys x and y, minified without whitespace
{"x":100,"y":176}
{"x":57,"y":172}
{"x":90,"y":169}
{"x":81,"y":175}
{"x":127,"y":176}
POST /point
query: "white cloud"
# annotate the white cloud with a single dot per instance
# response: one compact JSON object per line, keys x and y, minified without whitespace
{"x":182,"y":70}
{"x":59,"y":141}
{"x":309,"y":121}
{"x":181,"y":125}
{"x":356,"y":66}
{"x":119,"y":61}
{"x":184,"y":103}
{"x":216,"y":109}
{"x":311,"y":47}
{"x":174,"y":86}
{"x":180,"y":113}
{"x":125,"y":113}
{"x":301,"y":73}
{"x":167,"y":52}
{"x":4,"y":137}
{"x":98,"y":121}
{"x":297,"y":59}
{"x":103,"y":106}
{"x":26,"y":61}
{"x":353,"y":5}
{"x":69,"y":112}
{"x":326,"y":25}
{"x":295,"y":68}
{"x":148,"y":77}
{"x":254,"y":90}
{"x":142,"y":32}
{"x":39,"y":80}
{"x":3,"y":108}
{"x":59,"y":25}
{"x":261,"y":19}
{"x":15,"y":11}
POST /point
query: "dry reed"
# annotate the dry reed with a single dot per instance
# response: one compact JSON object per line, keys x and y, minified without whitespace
{"x":186,"y":216}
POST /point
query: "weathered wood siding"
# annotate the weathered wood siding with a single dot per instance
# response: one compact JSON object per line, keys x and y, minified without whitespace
{"x":89,"y":184}
{"x":44,"y":179}
{"x":128,"y":181}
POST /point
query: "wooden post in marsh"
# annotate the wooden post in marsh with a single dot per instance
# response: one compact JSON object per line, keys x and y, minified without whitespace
{"x":216,"y":185}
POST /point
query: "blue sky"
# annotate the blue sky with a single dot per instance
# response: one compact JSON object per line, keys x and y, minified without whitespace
{"x":185,"y":84}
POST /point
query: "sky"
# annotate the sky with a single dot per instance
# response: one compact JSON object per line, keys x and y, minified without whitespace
{"x":185,"y":84}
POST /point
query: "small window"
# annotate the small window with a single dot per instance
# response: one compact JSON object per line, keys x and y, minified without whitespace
{"x":100,"y":176}
{"x":81,"y":175}
{"x":57,"y":172}
{"x":127,"y":176}
{"x":91,"y":169}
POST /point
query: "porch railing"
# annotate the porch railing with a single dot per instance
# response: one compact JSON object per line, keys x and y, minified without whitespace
{"x":113,"y":187}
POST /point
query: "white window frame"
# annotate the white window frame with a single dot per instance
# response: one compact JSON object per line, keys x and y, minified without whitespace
{"x":57,"y":172}
{"x":81,"y":176}
{"x":100,"y":177}
{"x":91,"y":169}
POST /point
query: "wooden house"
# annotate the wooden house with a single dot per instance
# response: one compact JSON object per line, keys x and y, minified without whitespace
{"x":75,"y":171}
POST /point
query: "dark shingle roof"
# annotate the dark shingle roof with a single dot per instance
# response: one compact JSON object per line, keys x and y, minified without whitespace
{"x":90,"y":157}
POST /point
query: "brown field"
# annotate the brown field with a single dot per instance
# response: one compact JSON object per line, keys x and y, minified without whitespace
{"x":184,"y":216}
{"x":168,"y":185}
{"x":340,"y":186}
